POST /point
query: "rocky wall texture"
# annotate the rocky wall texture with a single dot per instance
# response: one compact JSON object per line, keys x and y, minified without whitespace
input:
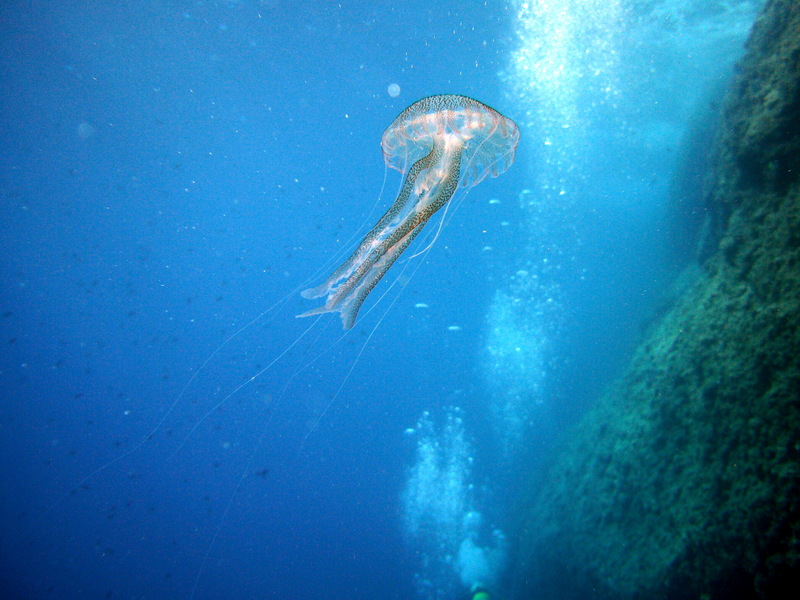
{"x":684,"y":482}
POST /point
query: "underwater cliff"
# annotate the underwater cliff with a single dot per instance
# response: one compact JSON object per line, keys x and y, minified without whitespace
{"x":684,"y":480}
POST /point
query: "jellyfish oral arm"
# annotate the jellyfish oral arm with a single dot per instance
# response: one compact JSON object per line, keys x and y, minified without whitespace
{"x":428,"y":186}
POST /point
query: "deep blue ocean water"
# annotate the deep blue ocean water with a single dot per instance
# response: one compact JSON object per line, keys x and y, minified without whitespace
{"x":173,"y":173}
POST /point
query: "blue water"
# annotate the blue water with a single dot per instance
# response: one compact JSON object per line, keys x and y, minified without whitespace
{"x":174,"y":172}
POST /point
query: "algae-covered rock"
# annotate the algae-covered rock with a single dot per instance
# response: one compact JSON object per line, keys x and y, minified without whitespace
{"x":684,"y":482}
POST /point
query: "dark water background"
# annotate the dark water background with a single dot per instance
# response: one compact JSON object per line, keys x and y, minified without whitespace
{"x":170,"y":170}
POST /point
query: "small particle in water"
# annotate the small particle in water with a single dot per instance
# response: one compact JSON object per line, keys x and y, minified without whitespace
{"x":85,"y":130}
{"x":421,"y":305}
{"x":494,"y":201}
{"x":454,"y":328}
{"x":394,"y":90}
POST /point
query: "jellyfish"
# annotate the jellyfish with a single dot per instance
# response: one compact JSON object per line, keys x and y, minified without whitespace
{"x":440,"y":144}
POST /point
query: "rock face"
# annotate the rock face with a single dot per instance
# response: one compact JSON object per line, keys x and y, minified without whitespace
{"x":684,"y":481}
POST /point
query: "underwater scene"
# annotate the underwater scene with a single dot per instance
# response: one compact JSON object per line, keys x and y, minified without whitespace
{"x":476,"y":300}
